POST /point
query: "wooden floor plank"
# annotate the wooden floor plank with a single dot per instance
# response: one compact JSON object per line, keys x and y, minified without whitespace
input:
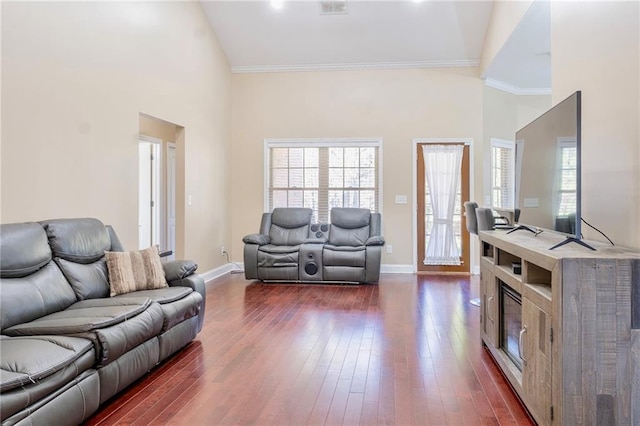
{"x":404,"y":352}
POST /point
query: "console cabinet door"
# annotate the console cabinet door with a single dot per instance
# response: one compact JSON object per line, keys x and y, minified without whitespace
{"x":536,"y":354}
{"x":489,"y":305}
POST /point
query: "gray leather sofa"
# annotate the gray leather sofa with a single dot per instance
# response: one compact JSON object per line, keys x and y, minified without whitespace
{"x":291,"y":248}
{"x":65,"y":345}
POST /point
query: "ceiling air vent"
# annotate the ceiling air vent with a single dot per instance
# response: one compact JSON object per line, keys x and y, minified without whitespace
{"x":333,"y":7}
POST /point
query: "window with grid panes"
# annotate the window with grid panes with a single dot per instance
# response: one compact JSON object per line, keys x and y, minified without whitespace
{"x":502,"y":174}
{"x":568,"y":178}
{"x":323,"y":175}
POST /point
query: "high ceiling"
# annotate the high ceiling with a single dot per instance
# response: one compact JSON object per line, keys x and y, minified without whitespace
{"x":372,"y":34}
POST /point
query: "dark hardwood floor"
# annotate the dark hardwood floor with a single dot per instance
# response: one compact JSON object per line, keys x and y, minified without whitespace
{"x":404,"y":352}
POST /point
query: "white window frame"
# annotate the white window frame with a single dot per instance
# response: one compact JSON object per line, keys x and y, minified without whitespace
{"x":511,"y":146}
{"x":321,"y":143}
{"x":563,"y":142}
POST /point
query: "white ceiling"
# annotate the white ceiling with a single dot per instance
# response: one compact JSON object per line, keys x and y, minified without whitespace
{"x":373,"y":34}
{"x":524,"y":62}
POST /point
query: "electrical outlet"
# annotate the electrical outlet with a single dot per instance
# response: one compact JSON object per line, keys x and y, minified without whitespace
{"x":222,"y":251}
{"x":389,"y":248}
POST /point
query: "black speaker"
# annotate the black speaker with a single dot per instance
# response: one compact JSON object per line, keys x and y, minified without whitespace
{"x":311,"y":268}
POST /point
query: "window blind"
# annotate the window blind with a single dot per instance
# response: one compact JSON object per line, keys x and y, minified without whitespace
{"x":502,"y":174}
{"x":568,"y":179}
{"x":321,"y":176}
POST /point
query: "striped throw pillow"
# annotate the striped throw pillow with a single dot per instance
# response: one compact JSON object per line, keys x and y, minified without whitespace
{"x":135,"y":270}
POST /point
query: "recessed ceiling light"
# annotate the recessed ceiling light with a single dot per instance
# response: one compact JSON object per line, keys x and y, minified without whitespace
{"x":277,"y":4}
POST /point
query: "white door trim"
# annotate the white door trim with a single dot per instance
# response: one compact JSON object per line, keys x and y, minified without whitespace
{"x":171,"y":146}
{"x":157,"y":193}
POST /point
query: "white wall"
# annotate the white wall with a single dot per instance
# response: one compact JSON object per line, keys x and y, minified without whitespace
{"x":503,"y":115}
{"x":75,"y":76}
{"x":595,"y":48}
{"x":505,"y":17}
{"x":397,"y":105}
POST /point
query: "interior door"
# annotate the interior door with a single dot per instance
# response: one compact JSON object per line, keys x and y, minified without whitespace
{"x":425,"y":216}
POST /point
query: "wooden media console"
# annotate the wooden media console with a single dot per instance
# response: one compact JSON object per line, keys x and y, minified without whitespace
{"x":571,"y":350}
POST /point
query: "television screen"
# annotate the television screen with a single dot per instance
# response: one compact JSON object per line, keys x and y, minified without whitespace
{"x":548,"y":170}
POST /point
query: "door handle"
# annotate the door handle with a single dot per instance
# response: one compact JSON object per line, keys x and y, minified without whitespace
{"x":521,"y":344}
{"x":489,"y":304}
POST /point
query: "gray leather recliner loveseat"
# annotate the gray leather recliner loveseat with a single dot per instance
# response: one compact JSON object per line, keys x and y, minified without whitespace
{"x":291,"y":248}
{"x":66,"y":346}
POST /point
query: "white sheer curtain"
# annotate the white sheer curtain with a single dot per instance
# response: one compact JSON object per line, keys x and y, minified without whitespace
{"x":442,"y":165}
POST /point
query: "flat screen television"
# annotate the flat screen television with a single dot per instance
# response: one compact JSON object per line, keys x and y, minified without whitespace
{"x":547,"y":181}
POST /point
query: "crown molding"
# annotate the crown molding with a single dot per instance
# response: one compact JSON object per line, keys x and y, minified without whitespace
{"x":515,"y":90}
{"x":355,"y":66}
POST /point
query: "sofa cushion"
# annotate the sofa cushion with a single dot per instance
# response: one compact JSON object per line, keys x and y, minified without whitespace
{"x":27,"y":360}
{"x":291,"y":217}
{"x":273,"y":249}
{"x":348,"y":217}
{"x":86,"y":315}
{"x":114,"y":325}
{"x":348,"y":236}
{"x":277,"y":259}
{"x":177,"y":303}
{"x":64,"y":398}
{"x":89,"y":281}
{"x":288,"y":236}
{"x":289,"y":226}
{"x":135,"y":270}
{"x":77,"y":240}
{"x":25,"y":299}
{"x":36,"y":370}
{"x":162,"y":295}
{"x":24,"y":249}
{"x":344,"y":256}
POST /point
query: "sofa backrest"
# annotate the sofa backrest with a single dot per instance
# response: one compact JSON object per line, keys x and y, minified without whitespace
{"x":289,"y":226}
{"x":349,"y":226}
{"x":31,"y":284}
{"x":78,"y":247}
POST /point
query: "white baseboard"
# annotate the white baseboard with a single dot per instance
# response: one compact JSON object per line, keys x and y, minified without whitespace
{"x":218,"y":272}
{"x":396,"y":269}
{"x":384,"y":269}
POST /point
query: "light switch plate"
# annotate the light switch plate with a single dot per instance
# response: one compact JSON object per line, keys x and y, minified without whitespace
{"x":531,"y":202}
{"x":401,"y":199}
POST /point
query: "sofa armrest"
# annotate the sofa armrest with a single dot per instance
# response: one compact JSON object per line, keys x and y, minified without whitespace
{"x":196,"y":283}
{"x":376,"y":240}
{"x":260,"y":239}
{"x":178,"y":269}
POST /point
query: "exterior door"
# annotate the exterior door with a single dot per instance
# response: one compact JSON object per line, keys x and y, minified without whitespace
{"x":425,"y":216}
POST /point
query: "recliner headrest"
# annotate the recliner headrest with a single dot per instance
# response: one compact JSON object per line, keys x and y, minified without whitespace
{"x":291,"y":217}
{"x":77,"y":240}
{"x":23,"y":249}
{"x":350,"y":218}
